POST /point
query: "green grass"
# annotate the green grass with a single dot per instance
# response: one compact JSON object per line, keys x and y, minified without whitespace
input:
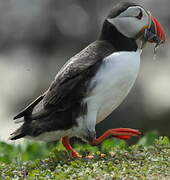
{"x":114,"y":159}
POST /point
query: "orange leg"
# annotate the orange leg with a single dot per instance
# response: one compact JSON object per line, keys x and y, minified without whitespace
{"x":121,"y":133}
{"x":67,"y":145}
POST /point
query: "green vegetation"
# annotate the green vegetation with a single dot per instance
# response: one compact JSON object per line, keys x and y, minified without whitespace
{"x":114,"y":159}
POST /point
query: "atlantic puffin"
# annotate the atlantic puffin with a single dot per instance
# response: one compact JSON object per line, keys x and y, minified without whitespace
{"x":93,"y":83}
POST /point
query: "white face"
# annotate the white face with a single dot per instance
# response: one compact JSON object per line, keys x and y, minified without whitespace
{"x":131,"y":21}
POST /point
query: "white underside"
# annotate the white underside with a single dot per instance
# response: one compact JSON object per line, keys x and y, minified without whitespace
{"x":113,"y":80}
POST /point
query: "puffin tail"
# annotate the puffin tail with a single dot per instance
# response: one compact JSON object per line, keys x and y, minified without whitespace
{"x":19,"y":133}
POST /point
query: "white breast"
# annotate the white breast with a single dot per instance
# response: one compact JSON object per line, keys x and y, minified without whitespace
{"x":113,"y":80}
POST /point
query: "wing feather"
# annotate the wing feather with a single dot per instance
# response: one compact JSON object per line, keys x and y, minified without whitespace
{"x":73,"y":71}
{"x":71,"y":76}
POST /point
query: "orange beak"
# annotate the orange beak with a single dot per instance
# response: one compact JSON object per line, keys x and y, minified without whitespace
{"x":156,"y":33}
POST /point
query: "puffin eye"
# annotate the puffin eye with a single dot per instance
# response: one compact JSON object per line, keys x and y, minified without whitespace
{"x":140,"y":15}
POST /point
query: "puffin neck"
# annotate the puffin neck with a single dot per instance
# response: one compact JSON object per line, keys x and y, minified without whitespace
{"x":118,"y":40}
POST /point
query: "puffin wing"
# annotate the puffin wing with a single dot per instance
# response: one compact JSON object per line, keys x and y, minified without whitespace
{"x":74,"y":71}
{"x":66,"y":80}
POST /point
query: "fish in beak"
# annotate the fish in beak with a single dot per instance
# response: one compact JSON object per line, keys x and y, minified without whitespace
{"x":154,"y":33}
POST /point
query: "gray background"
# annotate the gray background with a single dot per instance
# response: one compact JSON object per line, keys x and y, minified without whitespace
{"x":38,"y":36}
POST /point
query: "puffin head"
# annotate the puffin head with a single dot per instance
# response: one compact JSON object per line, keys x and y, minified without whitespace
{"x":134,"y":22}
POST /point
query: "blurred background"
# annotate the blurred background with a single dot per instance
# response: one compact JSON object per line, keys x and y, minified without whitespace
{"x":38,"y":37}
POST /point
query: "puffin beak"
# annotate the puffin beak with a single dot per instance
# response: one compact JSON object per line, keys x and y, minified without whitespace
{"x":155,"y":32}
